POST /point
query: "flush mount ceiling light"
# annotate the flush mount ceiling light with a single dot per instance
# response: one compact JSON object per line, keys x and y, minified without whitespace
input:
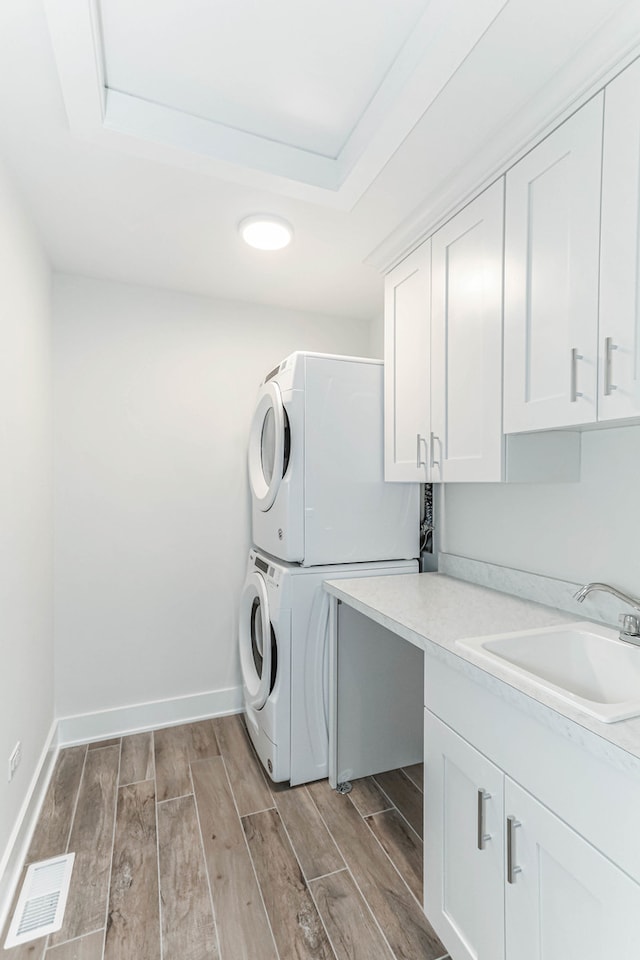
{"x":265,"y":232}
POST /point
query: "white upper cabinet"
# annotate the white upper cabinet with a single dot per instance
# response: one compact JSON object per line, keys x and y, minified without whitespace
{"x":550,"y":262}
{"x":552,"y":234}
{"x":466,"y":343}
{"x":407,"y":363}
{"x":619,"y":383}
{"x":443,"y":363}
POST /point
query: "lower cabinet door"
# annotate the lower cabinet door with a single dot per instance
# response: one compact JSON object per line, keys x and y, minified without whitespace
{"x":463,"y":845}
{"x":564,"y":899}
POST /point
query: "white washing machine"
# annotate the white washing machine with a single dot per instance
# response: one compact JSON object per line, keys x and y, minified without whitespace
{"x":316,"y":466}
{"x":283,"y":634}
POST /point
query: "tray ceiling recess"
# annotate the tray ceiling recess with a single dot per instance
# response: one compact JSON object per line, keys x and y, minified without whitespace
{"x":310,"y":99}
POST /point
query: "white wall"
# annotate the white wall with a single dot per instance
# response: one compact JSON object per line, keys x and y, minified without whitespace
{"x":26,"y":635}
{"x":154,"y":393}
{"x":579,"y":532}
{"x":376,"y":337}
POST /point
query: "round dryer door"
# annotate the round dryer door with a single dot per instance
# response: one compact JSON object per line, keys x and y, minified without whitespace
{"x":257,"y":642}
{"x":268,"y":446}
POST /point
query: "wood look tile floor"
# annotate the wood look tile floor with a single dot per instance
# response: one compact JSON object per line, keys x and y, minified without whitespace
{"x":186,"y":851}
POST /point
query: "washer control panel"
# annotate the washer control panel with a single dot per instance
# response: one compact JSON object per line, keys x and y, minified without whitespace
{"x":271,"y":574}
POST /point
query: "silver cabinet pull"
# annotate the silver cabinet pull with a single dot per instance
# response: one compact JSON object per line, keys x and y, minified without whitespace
{"x":434,"y":463}
{"x":573,"y":390}
{"x":483,"y":796}
{"x":419,"y":461}
{"x":609,"y":347}
{"x":512,"y":869}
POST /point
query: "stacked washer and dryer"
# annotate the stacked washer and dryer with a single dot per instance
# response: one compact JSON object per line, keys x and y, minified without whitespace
{"x":320,"y":511}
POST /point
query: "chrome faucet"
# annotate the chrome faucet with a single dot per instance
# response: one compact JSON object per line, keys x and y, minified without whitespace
{"x":629,"y":622}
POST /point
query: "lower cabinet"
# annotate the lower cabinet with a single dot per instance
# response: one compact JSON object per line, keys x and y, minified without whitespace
{"x":463,"y":845}
{"x":504,"y":877}
{"x":564,"y":899}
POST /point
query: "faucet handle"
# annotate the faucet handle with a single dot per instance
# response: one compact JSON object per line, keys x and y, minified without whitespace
{"x":629,"y":625}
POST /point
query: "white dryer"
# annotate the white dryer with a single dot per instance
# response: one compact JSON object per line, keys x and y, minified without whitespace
{"x":316,"y":466}
{"x":283,"y":635}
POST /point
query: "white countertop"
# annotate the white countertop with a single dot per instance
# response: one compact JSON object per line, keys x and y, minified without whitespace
{"x":432,"y":611}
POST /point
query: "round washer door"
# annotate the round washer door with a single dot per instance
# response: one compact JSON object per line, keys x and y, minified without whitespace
{"x":255,"y":636}
{"x":267,"y":447}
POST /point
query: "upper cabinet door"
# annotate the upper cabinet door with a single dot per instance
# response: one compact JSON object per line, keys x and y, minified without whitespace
{"x":406,"y":368}
{"x":551,"y":278}
{"x":466,"y":343}
{"x":619,"y":386}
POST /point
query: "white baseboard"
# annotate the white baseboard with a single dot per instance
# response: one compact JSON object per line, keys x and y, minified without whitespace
{"x":119,"y":721}
{"x":20,"y":837}
{"x":100,"y":725}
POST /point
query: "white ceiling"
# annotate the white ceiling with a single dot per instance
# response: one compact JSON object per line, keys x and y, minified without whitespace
{"x":129,"y":197}
{"x":308,"y":101}
{"x":302,"y":75}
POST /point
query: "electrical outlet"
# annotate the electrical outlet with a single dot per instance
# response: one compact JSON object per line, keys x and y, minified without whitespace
{"x":14,"y":760}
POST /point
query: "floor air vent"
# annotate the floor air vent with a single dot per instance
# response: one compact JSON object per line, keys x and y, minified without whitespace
{"x":40,"y":908}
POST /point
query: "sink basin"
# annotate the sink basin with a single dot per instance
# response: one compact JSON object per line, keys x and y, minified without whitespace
{"x":583,"y":664}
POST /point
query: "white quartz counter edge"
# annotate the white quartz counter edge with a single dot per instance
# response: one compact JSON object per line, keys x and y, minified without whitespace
{"x":432,"y":611}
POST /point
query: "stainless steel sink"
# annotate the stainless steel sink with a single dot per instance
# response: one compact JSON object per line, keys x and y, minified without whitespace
{"x":582,"y":664}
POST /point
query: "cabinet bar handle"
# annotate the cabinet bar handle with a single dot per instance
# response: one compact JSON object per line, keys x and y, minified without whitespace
{"x":419,"y":461}
{"x":512,"y":869}
{"x":434,"y":463}
{"x":482,"y":836}
{"x":609,"y":347}
{"x":573,"y":390}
